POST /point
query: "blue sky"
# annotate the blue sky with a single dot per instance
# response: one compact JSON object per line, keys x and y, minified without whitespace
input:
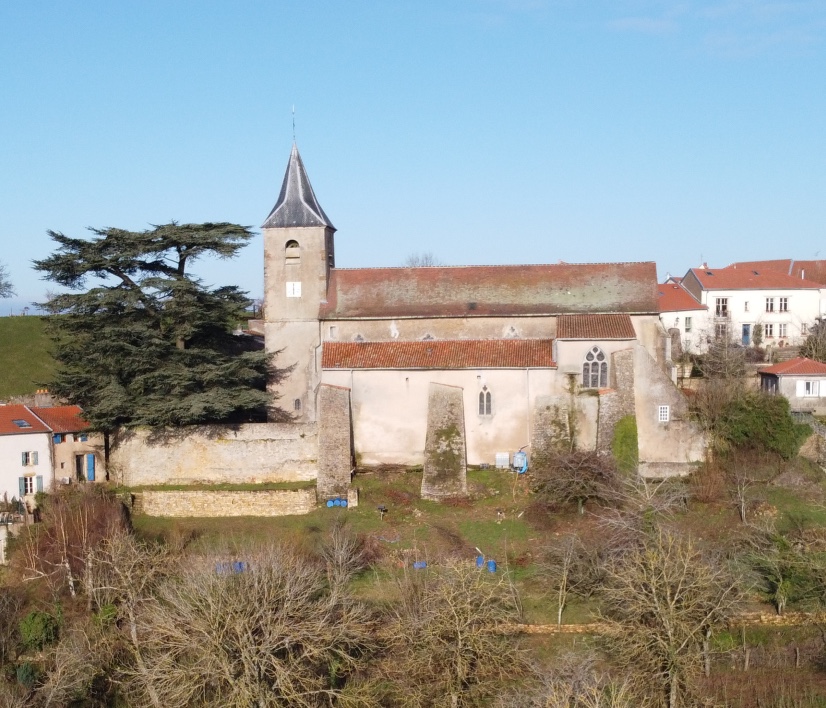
{"x":484,"y":131}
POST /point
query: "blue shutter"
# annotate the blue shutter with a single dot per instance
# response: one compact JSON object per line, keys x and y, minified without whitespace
{"x":39,"y":480}
{"x":34,"y":457}
{"x":90,"y":467}
{"x":22,"y":481}
{"x":24,"y":456}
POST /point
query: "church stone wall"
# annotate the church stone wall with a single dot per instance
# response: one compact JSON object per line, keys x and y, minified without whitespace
{"x":335,"y":451}
{"x":413,"y":328}
{"x":251,"y":453}
{"x":619,"y":401}
{"x":445,"y":464}
{"x":666,"y":448}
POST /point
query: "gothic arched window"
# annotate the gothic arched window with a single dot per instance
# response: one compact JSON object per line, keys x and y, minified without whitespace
{"x":485,"y":402}
{"x":595,"y":369}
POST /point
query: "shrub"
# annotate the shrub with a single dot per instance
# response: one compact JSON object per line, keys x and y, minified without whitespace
{"x":37,"y":629}
{"x":624,"y":446}
{"x":761,"y":422}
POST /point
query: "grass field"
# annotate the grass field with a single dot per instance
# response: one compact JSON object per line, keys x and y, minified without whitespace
{"x":25,"y":361}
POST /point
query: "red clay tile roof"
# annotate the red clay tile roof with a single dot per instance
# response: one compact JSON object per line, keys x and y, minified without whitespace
{"x":62,"y":419}
{"x":440,"y":354}
{"x":749,"y":279}
{"x":810,"y":270}
{"x":675,"y":298}
{"x":482,"y":291}
{"x":801,"y":366}
{"x":8,"y":414}
{"x":595,"y":327}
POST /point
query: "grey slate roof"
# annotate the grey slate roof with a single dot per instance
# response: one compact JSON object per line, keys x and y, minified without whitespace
{"x":297,"y":204}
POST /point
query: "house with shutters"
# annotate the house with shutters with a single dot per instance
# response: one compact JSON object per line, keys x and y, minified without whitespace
{"x":801,"y":380}
{"x":42,"y":446}
{"x":517,"y":353}
{"x":743,"y":300}
{"x":77,"y":455}
{"x":25,"y":453}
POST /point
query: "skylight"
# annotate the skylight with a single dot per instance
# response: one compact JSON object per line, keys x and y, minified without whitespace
{"x":20,"y":423}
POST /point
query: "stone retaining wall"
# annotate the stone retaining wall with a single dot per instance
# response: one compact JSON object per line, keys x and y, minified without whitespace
{"x":252,"y":453}
{"x":219,"y":503}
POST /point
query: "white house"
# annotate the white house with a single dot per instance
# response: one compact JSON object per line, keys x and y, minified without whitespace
{"x":25,"y":453}
{"x":801,"y":380}
{"x":681,"y":311}
{"x":781,"y":306}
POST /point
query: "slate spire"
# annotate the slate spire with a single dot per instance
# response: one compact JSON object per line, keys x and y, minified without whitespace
{"x":297,"y":204}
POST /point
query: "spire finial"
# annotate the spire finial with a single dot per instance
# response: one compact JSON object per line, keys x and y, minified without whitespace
{"x":293,"y":122}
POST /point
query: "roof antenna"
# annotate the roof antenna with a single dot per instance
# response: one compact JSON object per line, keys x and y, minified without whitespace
{"x":293,"y":122}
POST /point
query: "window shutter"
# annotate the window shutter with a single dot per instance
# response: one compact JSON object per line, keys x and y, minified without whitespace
{"x":24,"y":458}
{"x":34,"y":458}
{"x":39,"y":480}
{"x":22,"y":482}
{"x":801,"y":389}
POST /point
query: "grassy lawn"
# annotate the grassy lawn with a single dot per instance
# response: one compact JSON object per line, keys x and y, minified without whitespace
{"x":25,"y":361}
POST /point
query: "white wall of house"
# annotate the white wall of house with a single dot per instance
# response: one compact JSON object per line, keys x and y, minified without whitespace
{"x":693,"y":325}
{"x":12,"y":449}
{"x":786,"y":315}
{"x":805,"y":393}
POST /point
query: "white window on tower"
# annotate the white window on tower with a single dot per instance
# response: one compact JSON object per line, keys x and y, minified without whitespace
{"x":769,"y":304}
{"x":769,"y":330}
{"x":784,"y":304}
{"x":663,"y":414}
{"x":293,"y":289}
{"x":687,"y":324}
{"x":781,"y":330}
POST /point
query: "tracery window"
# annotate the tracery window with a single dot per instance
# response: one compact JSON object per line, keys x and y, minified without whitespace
{"x":595,"y":369}
{"x":485,"y":402}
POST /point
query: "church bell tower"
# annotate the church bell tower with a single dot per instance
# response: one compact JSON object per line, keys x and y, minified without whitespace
{"x":298,"y":257}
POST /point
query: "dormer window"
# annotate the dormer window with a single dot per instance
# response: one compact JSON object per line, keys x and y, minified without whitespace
{"x":292,"y":253}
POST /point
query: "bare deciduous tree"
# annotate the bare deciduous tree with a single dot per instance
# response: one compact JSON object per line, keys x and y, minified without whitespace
{"x":571,"y":567}
{"x":662,"y":600}
{"x":6,"y":289}
{"x":271,"y":633}
{"x":446,"y":634}
{"x":421,"y":260}
{"x":576,"y":476}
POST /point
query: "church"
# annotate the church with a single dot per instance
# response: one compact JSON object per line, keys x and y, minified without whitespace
{"x":514,"y":357}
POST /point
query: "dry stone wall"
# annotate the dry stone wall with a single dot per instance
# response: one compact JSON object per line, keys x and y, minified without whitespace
{"x":251,"y":453}
{"x":216,"y":504}
{"x":445,"y":456}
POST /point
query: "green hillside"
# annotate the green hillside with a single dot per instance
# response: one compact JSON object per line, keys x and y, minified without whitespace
{"x":25,"y":362}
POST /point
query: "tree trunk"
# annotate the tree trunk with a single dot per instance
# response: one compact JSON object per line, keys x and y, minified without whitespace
{"x":707,"y":652}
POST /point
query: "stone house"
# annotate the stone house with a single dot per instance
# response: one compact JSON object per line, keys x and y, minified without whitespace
{"x":801,"y":380}
{"x":529,"y":351}
{"x":77,"y":454}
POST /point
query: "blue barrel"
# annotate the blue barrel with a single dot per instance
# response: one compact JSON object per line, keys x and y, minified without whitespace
{"x":329,"y":502}
{"x":418,"y":565}
{"x":491,"y":566}
{"x":344,"y":502}
{"x":336,"y":502}
{"x":480,"y":561}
